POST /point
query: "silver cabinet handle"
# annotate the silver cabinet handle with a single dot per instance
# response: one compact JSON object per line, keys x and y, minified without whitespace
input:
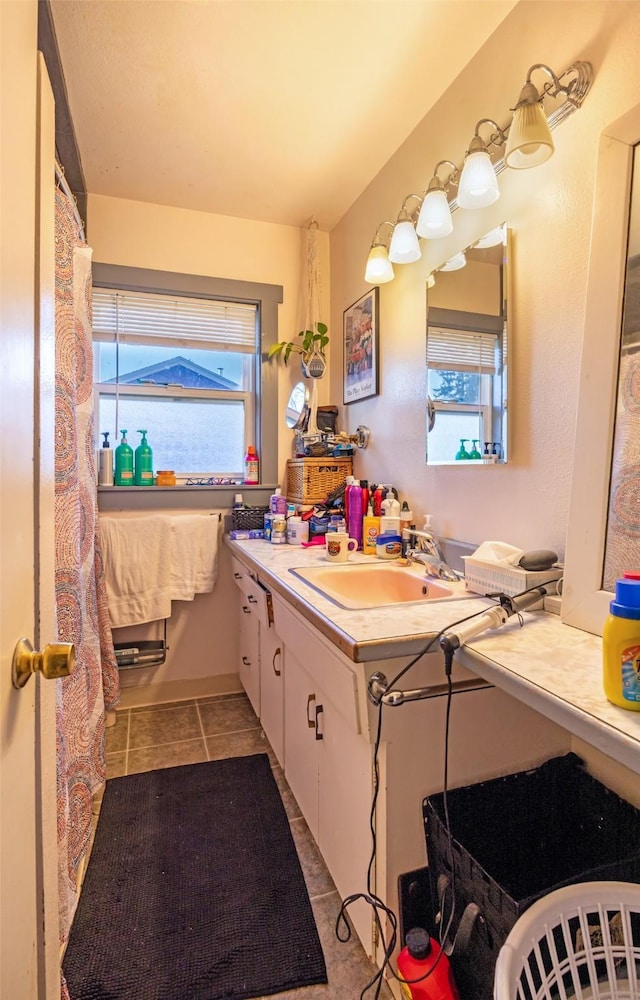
{"x":246,"y":610}
{"x":246,"y":661}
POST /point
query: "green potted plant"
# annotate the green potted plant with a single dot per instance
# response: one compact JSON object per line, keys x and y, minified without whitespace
{"x":310,"y":347}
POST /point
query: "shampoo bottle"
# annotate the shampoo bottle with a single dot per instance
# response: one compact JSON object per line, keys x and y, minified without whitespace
{"x":421,"y":960}
{"x":124,"y":462}
{"x":143,"y":463}
{"x":621,"y":645}
{"x":105,"y":462}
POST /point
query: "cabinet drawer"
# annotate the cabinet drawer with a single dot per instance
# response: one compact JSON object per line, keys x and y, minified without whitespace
{"x":256,"y":597}
{"x":323,"y":664}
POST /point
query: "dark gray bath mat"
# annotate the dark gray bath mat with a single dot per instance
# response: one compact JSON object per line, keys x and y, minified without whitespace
{"x":193,"y":891}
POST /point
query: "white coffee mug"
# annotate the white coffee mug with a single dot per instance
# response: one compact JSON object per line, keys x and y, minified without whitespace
{"x":339,"y":545}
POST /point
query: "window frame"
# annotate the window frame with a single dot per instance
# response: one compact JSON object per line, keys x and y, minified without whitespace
{"x":265,"y":297}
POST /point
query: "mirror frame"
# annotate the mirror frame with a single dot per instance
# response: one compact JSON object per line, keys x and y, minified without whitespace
{"x":506,"y":318}
{"x":585,"y":605}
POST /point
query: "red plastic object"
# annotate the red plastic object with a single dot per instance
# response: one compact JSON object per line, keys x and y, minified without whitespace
{"x":422,"y":955}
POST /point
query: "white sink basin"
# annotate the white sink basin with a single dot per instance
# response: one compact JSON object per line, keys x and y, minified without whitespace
{"x":378,"y":584}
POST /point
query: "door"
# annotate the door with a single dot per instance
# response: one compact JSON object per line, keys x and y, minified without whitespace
{"x":29,"y":965}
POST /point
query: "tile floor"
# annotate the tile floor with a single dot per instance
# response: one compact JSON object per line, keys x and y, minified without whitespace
{"x":189,"y":732}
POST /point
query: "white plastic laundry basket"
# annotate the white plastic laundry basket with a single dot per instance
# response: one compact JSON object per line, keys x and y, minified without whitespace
{"x":580,"y":941}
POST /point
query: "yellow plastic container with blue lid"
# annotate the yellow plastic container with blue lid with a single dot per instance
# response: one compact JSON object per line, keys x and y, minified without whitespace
{"x":621,"y":645}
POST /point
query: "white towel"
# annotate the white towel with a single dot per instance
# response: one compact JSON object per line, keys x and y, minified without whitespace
{"x":137,"y":566}
{"x":194,"y":555}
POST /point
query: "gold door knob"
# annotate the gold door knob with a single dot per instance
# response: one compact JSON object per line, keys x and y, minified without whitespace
{"x":57,"y":659}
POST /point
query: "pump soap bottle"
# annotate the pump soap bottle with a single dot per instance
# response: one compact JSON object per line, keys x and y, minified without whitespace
{"x":621,"y":645}
{"x":105,"y":462}
{"x":143,"y":463}
{"x":124,"y":462}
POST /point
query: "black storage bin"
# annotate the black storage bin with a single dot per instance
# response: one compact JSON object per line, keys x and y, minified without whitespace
{"x":516,"y":838}
{"x":246,"y":518}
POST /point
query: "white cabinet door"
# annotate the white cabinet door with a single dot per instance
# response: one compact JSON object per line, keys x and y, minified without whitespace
{"x":249,"y":655}
{"x":301,"y":705}
{"x":272,"y":689}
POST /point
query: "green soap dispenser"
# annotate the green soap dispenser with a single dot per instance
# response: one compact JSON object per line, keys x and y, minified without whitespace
{"x":474,"y":453}
{"x":124,"y":462}
{"x":144,"y":462}
{"x":462,"y":454}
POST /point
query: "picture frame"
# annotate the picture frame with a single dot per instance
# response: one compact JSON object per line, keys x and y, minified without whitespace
{"x":360,"y":328}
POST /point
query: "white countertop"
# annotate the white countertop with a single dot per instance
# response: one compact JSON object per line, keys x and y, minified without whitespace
{"x":554,"y":668}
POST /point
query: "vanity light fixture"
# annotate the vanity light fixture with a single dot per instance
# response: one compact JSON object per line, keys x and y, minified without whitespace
{"x":526,"y":141}
{"x":379,"y":268}
{"x":434,"y":220}
{"x":404,"y":247}
{"x":529,"y":142}
{"x":478,"y":185}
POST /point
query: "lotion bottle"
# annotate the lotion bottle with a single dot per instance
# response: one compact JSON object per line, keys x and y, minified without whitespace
{"x":390,"y":520}
{"x":621,"y":645}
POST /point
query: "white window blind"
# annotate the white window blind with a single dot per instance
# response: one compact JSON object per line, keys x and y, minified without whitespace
{"x":463,"y":351}
{"x":169,"y":320}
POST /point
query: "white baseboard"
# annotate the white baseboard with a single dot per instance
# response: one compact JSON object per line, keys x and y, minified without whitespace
{"x":179,"y":690}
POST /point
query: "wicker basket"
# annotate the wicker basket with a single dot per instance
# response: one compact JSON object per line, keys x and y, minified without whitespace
{"x":311,"y":480}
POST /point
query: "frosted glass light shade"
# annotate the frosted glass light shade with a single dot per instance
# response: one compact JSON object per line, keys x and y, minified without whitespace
{"x":478,"y":182}
{"x":404,"y":247}
{"x":434,"y":220}
{"x":529,"y":142}
{"x":455,"y":263}
{"x":379,"y":268}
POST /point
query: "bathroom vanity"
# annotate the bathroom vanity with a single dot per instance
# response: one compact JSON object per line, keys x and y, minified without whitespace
{"x":305,"y":662}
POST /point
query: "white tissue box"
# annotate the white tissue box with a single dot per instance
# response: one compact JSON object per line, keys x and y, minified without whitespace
{"x":484,"y":577}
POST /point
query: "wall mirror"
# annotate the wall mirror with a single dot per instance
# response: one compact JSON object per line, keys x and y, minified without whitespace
{"x":467,"y":350}
{"x":603,"y":539}
{"x":297,"y":412}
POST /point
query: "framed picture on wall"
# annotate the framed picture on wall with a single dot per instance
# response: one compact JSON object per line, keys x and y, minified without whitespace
{"x":360,"y":337}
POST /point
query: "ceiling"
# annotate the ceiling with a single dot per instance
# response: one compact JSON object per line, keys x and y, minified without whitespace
{"x":271,"y":110}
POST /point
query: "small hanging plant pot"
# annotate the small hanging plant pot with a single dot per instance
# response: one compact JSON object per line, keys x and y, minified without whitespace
{"x":311,"y":348}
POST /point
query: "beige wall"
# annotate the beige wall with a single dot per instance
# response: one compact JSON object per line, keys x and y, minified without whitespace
{"x":138,"y":234}
{"x":549,"y":211}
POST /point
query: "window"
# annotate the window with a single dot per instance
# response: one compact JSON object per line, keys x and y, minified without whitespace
{"x":187,"y":368}
{"x":461,"y":366}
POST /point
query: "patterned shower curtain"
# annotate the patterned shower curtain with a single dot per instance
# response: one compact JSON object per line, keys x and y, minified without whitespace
{"x":81,"y":603}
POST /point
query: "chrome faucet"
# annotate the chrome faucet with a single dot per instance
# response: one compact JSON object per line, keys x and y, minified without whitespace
{"x":423,"y":547}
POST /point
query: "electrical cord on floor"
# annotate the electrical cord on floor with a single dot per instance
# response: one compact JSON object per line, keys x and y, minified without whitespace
{"x":378,"y":906}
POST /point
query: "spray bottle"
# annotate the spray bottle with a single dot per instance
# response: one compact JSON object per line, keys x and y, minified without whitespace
{"x":124,"y":462}
{"x":144,"y":463}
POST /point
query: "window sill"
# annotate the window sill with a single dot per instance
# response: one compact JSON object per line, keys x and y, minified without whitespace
{"x":186,"y":497}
